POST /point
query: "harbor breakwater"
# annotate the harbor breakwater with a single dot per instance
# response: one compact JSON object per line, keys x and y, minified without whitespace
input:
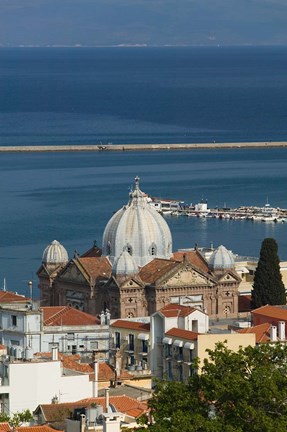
{"x":141,"y":147}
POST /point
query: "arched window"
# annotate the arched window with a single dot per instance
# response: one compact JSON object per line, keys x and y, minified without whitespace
{"x":153,"y":249}
{"x":109,"y":248}
{"x":129,"y":249}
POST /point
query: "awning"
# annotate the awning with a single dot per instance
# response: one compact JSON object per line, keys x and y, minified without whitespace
{"x":189,"y":345}
{"x":167,"y":341}
{"x":178,"y":343}
{"x":143,"y":336}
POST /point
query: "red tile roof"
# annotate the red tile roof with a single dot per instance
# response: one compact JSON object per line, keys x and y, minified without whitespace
{"x":9,"y":297}
{"x":59,"y":412}
{"x":275,"y":312}
{"x":106,"y":372}
{"x":123,"y":404}
{"x":96,"y":267}
{"x":67,"y":316}
{"x":93,"y":252}
{"x":4,"y":426}
{"x":43,"y":428}
{"x":194,"y":257}
{"x":262,"y":332}
{"x":182,"y":334}
{"x":174,"y":310}
{"x":133,"y":325}
{"x":156,"y":269}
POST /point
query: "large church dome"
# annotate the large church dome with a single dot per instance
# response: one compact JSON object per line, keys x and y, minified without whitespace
{"x":221,"y":260}
{"x":55,"y":253}
{"x":138,"y":229}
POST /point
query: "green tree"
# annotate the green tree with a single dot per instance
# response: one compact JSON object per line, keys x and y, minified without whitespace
{"x":16,"y":419}
{"x":268,"y":287}
{"x":235,"y":392}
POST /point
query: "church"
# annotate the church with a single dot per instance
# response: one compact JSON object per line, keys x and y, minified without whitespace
{"x":136,"y":272}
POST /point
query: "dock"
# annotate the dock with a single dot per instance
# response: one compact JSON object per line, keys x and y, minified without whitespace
{"x":141,"y":147}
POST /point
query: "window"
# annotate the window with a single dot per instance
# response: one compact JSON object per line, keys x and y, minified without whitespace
{"x":167,"y":350}
{"x":145,"y":346}
{"x":169,"y":371}
{"x":131,"y":342}
{"x":117,"y":339}
{"x":14,"y":320}
{"x":152,"y":249}
{"x":129,"y":249}
{"x":71,"y":336}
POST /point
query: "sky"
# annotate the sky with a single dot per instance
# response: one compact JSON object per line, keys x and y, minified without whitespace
{"x":143,"y":22}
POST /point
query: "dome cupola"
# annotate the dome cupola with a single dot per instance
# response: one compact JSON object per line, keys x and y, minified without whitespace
{"x":138,"y":229}
{"x":55,"y":253}
{"x":124,"y":265}
{"x":221,"y":260}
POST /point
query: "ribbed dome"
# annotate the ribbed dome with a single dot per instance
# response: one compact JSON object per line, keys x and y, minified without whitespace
{"x":221,"y":259}
{"x":138,"y":229}
{"x":124,"y":265}
{"x":55,"y":253}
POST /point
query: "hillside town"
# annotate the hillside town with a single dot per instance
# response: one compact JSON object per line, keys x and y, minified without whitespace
{"x":109,"y":323}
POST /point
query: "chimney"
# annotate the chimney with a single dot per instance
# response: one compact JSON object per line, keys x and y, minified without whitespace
{"x":96,"y":378}
{"x":103,"y":318}
{"x":107,"y":396}
{"x":54,"y":353}
{"x":281,"y":330}
{"x":82,"y":423}
{"x":112,"y":422}
{"x":273,"y":333}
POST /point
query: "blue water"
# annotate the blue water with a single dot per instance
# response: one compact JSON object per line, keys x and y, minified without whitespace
{"x":142,"y":95}
{"x":69,"y":96}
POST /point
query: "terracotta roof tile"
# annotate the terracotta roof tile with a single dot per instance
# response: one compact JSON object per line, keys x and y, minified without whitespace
{"x":183,"y":334}
{"x":124,"y":404}
{"x":59,"y":412}
{"x":43,"y":428}
{"x":66,"y":315}
{"x":157,"y":268}
{"x":194,"y":257}
{"x":9,"y":297}
{"x":262,"y":332}
{"x":173,"y":310}
{"x":93,"y":252}
{"x":4,"y":426}
{"x":133,"y":325}
{"x":275,"y":312}
{"x":106,"y":372}
{"x":96,"y":267}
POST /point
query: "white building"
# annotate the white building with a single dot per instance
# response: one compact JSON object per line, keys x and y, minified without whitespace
{"x":71,"y":330}
{"x":27,"y":383}
{"x":173,"y":316}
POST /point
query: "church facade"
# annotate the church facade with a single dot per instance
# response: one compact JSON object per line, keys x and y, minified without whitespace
{"x":135,"y":273}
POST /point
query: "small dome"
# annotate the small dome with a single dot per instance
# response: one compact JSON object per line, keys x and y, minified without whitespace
{"x":55,"y":253}
{"x":138,"y":229}
{"x":221,"y":259}
{"x":124,"y":265}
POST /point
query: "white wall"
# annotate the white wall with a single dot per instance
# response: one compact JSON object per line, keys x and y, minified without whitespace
{"x":31,"y":384}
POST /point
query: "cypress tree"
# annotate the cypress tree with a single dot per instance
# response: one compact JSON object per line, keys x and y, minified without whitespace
{"x":268,"y":287}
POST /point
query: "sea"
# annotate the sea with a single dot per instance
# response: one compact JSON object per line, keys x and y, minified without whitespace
{"x":61,"y":96}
